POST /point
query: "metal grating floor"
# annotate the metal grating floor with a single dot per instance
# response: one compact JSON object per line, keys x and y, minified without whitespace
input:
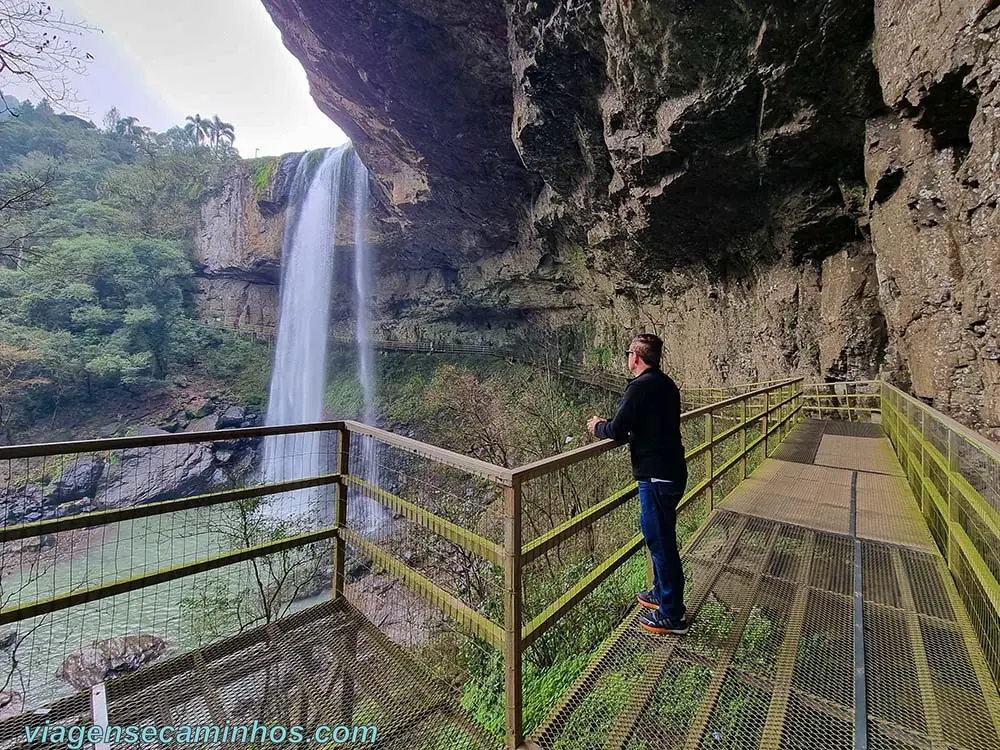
{"x":326,"y":665}
{"x":809,"y":482}
{"x":770,"y":661}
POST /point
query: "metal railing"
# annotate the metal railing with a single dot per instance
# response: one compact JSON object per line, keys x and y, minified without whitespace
{"x":955,"y":475}
{"x":853,"y":401}
{"x":466,"y":538}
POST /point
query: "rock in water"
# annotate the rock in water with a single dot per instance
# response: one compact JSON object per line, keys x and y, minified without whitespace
{"x":113,"y":657}
{"x":11,"y":703}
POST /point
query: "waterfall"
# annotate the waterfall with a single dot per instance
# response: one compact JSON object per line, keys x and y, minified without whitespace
{"x":298,"y":376}
{"x":367,"y":515}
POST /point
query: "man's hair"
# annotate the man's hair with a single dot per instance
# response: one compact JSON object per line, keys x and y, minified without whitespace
{"x":649,"y":348}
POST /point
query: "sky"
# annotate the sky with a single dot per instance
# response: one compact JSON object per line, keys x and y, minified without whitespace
{"x":160,"y":60}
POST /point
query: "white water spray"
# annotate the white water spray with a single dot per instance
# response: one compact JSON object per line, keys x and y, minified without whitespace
{"x":298,"y":378}
{"x":368,"y":515}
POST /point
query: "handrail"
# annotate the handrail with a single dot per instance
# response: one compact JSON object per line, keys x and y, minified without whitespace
{"x":568,"y":458}
{"x":39,"y":450}
{"x":162,"y":575}
{"x":426,"y":450}
{"x":514,"y":635}
{"x":964,"y":523}
{"x":993,"y":449}
{"x":147,"y":510}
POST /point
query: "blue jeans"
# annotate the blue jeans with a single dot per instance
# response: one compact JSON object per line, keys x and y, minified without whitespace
{"x":658,"y":520}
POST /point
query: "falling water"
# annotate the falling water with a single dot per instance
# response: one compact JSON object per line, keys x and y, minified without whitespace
{"x":362,"y":285}
{"x":369,"y":515}
{"x":298,"y":378}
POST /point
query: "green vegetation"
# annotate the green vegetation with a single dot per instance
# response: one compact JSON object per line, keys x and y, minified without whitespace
{"x":97,"y":233}
{"x":263,"y":170}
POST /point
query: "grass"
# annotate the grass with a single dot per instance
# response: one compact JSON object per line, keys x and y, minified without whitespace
{"x":263,"y":172}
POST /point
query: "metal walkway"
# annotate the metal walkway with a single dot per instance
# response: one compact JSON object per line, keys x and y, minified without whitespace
{"x":819,"y":597}
{"x":325,"y":666}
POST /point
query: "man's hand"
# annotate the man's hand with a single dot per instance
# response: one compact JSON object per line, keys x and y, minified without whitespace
{"x":592,"y":424}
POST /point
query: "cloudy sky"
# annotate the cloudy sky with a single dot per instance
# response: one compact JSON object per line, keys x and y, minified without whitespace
{"x":160,"y":60}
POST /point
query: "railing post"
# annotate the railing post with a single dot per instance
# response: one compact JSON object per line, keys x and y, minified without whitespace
{"x":743,"y":439}
{"x":950,"y":552}
{"x":710,"y":460}
{"x":922,"y":497}
{"x":340,"y":511}
{"x":767,"y":408}
{"x":512,"y":613}
{"x":785,"y":391}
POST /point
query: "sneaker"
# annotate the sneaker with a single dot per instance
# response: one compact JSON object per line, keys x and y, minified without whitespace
{"x":648,"y":599}
{"x":654,"y":622}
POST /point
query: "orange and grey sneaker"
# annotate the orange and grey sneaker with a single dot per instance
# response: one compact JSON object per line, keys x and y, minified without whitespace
{"x":648,"y":599}
{"x":654,"y":622}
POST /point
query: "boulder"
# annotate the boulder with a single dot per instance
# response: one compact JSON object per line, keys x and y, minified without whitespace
{"x":21,"y":505}
{"x":11,"y":703}
{"x":161,"y":472}
{"x":7,"y":640}
{"x":73,"y":508}
{"x":79,"y":479}
{"x":231,"y":417}
{"x":199,"y":409}
{"x":113,"y":657}
{"x":203,"y":424}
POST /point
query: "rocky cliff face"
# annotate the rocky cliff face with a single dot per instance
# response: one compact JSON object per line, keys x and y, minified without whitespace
{"x":933,"y":168}
{"x":770,"y":186}
{"x":238,"y":247}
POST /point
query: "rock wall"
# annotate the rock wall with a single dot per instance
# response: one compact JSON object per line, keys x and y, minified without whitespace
{"x":932,"y":163}
{"x":238,"y":247}
{"x":770,"y":186}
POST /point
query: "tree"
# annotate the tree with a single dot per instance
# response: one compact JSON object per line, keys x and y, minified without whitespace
{"x":222,"y":133}
{"x":133,"y":132}
{"x":224,"y":605}
{"x":21,"y":193}
{"x":111,"y":118}
{"x":37,"y":50}
{"x":198,"y":128}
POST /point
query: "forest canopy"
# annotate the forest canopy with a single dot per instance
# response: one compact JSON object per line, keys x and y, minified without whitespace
{"x":97,"y":229}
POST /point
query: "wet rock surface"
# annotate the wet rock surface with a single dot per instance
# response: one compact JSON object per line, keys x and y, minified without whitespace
{"x":113,"y":657}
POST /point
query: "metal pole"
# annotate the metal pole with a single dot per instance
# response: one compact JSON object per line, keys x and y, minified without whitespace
{"x":512,"y":613}
{"x":950,"y":551}
{"x":743,"y":439}
{"x":709,"y":460}
{"x":340,"y":511}
{"x":767,"y":408}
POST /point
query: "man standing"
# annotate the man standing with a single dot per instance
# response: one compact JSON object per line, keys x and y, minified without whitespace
{"x":648,"y":419}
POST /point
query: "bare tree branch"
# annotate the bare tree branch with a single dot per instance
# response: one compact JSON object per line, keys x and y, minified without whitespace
{"x":38,"y":51}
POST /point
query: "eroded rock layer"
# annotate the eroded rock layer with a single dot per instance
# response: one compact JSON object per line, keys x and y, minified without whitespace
{"x":772,"y":186}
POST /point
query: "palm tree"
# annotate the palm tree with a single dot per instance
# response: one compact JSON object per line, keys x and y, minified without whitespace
{"x":198,"y":128}
{"x":222,"y":132}
{"x":127,"y":126}
{"x":225,"y":132}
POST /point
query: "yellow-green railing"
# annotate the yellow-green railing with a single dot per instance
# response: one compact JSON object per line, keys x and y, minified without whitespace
{"x":955,"y":475}
{"x":854,"y":401}
{"x":500,"y":523}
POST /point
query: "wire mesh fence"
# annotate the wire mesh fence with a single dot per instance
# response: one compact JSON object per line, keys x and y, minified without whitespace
{"x":117,"y":553}
{"x":955,"y":475}
{"x":585,"y":581}
{"x":851,"y":401}
{"x":121,"y":553}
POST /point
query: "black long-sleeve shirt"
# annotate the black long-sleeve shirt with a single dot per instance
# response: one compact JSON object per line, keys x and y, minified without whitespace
{"x":649,"y":420}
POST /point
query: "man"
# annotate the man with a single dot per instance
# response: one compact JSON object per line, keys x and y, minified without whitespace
{"x":648,"y":419}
